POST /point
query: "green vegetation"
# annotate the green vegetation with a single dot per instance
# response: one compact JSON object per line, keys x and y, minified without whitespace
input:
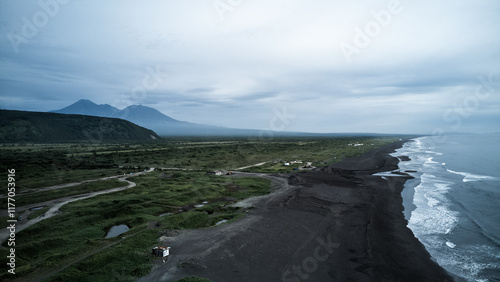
{"x":179,"y":195}
{"x":21,"y":126}
{"x":81,"y":228}
{"x":39,"y":197}
{"x":3,"y":221}
{"x":40,"y":166}
{"x":38,"y":213}
{"x":46,"y":165}
{"x":127,"y":260}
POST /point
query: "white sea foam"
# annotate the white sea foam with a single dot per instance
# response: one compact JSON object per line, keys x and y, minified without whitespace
{"x":442,"y":186}
{"x":429,"y":162}
{"x":434,"y":153}
{"x":418,"y":143}
{"x":437,"y":221}
{"x":431,"y":202}
{"x":432,"y":215}
{"x":466,"y":263}
{"x":472,"y":177}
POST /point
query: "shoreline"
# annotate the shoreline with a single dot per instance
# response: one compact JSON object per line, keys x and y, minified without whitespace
{"x":395,"y":253}
{"x":337,"y":223}
{"x":409,"y":197}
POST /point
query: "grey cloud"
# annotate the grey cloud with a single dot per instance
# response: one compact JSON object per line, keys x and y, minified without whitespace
{"x":262,"y":56}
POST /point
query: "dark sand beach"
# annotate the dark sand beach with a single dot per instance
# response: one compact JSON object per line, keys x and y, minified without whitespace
{"x":338,"y":223}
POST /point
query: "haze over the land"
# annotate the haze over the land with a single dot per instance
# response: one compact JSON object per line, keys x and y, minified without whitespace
{"x":322,"y":66}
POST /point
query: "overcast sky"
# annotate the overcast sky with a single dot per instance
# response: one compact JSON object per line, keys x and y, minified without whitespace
{"x":312,"y":66}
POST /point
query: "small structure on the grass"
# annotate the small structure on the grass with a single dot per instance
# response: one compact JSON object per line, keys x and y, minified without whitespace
{"x":161,"y":251}
{"x":215,"y":172}
{"x":287,"y":164}
{"x":229,"y":173}
{"x":308,"y":165}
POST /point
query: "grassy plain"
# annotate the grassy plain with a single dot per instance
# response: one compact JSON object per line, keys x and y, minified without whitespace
{"x":82,"y":226}
{"x":41,"y":165}
{"x":72,"y":247}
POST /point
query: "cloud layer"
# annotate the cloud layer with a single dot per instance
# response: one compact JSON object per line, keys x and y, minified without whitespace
{"x":370,"y":66}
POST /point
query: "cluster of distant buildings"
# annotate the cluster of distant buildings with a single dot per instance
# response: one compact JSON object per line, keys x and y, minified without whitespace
{"x":306,"y":165}
{"x":356,"y":144}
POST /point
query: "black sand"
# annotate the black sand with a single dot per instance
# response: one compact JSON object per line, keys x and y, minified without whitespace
{"x":335,"y":224}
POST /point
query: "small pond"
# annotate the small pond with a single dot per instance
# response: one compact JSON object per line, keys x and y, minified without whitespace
{"x":201,"y":205}
{"x":117,"y":230}
{"x":221,"y":222}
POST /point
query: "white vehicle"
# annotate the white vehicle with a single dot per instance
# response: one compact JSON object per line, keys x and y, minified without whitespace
{"x":161,"y":251}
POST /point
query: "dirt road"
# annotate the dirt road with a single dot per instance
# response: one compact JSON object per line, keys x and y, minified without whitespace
{"x":248,"y":166}
{"x":66,"y":185}
{"x":56,"y":204}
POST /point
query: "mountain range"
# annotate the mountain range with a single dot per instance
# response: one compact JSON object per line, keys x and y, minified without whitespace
{"x":153,"y":119}
{"x":164,"y":125}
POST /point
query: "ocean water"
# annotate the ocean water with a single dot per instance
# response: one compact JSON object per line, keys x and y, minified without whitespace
{"x":453,"y":204}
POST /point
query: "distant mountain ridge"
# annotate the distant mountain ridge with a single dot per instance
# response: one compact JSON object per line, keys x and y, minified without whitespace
{"x":134,"y":113}
{"x":87,"y":107}
{"x":39,"y":127}
{"x":142,"y":114}
{"x":166,"y":126}
{"x":153,"y":119}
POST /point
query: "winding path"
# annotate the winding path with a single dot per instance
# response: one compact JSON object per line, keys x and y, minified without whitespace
{"x":67,"y":185}
{"x":278,"y":186}
{"x":245,"y":167}
{"x":56,"y":204}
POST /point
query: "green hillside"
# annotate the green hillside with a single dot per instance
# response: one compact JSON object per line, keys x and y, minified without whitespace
{"x":38,"y":127}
